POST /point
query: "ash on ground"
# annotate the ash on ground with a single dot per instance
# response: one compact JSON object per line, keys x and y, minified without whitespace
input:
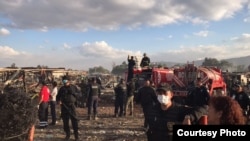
{"x":106,"y":128}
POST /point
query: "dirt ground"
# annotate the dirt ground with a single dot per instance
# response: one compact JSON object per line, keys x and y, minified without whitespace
{"x":106,"y":128}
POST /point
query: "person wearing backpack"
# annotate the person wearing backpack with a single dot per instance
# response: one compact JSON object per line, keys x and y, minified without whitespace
{"x":67,"y":96}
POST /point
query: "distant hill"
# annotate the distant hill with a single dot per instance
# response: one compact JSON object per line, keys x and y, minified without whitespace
{"x":235,"y":61}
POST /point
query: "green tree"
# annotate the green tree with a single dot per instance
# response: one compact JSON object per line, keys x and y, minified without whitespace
{"x":210,"y":62}
{"x":223,"y":64}
{"x":13,"y":65}
{"x":120,"y":69}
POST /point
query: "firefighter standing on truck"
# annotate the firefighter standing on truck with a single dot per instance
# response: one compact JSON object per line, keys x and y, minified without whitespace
{"x":67,"y":98}
{"x":145,"y":61}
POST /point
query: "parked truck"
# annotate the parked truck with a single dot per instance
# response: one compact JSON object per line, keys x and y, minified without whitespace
{"x":182,"y":78}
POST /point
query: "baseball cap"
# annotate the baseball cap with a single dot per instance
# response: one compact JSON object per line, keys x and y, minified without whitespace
{"x":164,"y":87}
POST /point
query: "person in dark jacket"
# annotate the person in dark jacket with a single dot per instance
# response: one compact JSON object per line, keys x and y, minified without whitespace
{"x":120,"y":95}
{"x":130,"y":98}
{"x":146,"y":97}
{"x":131,"y":64}
{"x":84,"y":89}
{"x":165,"y":114}
{"x":242,"y":98}
{"x":145,"y":61}
{"x":94,"y":94}
{"x":198,"y":97}
{"x":67,"y":96}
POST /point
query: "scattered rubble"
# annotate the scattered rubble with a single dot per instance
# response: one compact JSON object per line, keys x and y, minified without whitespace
{"x":106,"y":128}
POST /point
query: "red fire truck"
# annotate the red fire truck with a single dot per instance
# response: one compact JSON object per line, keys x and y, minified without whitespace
{"x":183,"y":77}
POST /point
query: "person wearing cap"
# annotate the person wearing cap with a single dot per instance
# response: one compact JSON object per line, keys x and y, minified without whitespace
{"x":166,"y":113}
{"x":145,"y":61}
{"x":242,"y":98}
{"x":67,"y":98}
{"x":43,"y":105}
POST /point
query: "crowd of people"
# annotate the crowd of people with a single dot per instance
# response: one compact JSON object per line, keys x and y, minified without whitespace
{"x":160,"y":111}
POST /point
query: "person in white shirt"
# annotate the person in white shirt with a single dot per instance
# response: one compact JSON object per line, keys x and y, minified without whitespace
{"x":53,"y":102}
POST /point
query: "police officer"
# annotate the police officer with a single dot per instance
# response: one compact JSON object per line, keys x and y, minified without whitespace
{"x":166,"y":113}
{"x":120,"y":94}
{"x":67,"y":98}
{"x":94,"y":94}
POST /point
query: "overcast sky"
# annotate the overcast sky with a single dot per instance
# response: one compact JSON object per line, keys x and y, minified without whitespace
{"x":81,"y":34}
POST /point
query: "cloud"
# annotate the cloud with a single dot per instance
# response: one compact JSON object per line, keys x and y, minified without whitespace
{"x":7,"y":52}
{"x":100,"y":53}
{"x":65,"y":14}
{"x":4,"y":32}
{"x":202,"y":33}
{"x":102,"y":50}
{"x":66,"y":46}
{"x":238,"y":47}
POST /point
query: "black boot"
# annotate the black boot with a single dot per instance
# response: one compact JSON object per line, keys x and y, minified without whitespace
{"x":67,"y":136}
{"x":76,"y":136}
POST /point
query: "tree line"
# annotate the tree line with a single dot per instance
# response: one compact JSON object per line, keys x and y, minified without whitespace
{"x":120,"y":69}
